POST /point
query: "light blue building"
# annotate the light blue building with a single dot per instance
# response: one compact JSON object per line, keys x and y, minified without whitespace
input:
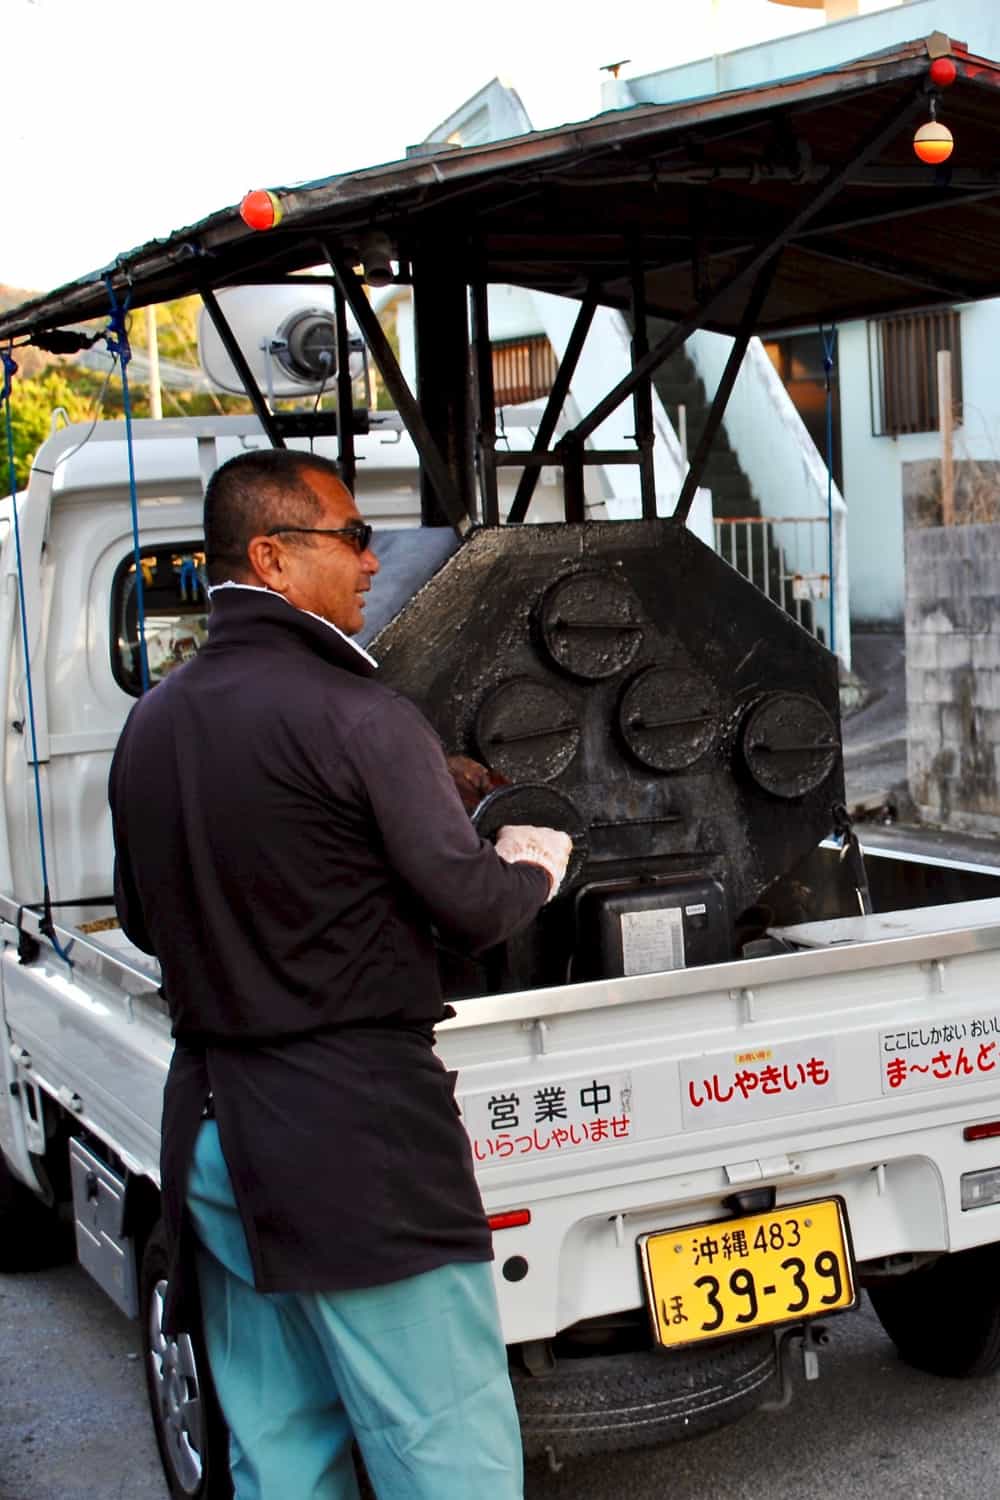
{"x":886,"y":369}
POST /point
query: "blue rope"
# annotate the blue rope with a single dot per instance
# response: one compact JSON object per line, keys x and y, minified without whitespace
{"x":828,"y":346}
{"x":9,"y":371}
{"x":118,"y":347}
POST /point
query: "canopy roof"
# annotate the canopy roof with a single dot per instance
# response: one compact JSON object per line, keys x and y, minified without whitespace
{"x":822,"y":165}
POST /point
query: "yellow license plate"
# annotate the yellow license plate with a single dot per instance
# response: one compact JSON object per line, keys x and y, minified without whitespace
{"x":710,"y":1280}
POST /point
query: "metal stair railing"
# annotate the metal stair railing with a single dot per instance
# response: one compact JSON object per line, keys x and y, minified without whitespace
{"x":791,"y":571}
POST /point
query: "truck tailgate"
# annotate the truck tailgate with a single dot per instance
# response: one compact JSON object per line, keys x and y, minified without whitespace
{"x":616,"y":1109}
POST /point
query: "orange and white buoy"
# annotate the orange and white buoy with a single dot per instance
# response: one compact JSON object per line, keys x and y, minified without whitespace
{"x":934,"y":143}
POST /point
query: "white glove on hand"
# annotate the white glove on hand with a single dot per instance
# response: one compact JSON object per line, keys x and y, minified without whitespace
{"x":524,"y":844}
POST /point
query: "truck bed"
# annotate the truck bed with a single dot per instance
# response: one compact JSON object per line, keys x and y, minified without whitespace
{"x":618,"y":1108}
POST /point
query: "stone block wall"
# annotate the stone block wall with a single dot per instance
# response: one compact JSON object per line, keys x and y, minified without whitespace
{"x":953,"y":674}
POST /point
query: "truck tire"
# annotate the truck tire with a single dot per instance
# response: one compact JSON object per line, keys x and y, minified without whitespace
{"x":191,"y":1433}
{"x":611,"y":1402}
{"x":945,"y":1317}
{"x":32,"y":1235}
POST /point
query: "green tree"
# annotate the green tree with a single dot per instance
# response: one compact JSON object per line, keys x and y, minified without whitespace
{"x":44,"y":383}
{"x":84,"y":394}
{"x":32,"y":403}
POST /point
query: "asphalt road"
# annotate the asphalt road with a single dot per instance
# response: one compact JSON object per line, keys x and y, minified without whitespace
{"x":73,"y":1422}
{"x":875,"y":734}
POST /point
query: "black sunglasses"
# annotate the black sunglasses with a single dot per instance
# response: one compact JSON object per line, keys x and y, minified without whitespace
{"x":358,"y":532}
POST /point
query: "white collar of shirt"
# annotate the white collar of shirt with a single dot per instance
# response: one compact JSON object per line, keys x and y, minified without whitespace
{"x":255,"y":588}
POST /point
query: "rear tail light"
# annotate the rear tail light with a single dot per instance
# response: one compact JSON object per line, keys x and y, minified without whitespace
{"x":511,"y":1219}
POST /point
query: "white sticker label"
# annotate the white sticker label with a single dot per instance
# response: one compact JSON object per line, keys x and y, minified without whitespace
{"x":756,"y":1083}
{"x":810,"y":586}
{"x":652,"y":941}
{"x":932,"y":1055}
{"x":528,"y":1120}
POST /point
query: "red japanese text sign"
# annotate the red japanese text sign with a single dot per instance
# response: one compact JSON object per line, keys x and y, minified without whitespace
{"x":758,"y":1082}
{"x":936,"y":1053}
{"x":547,"y":1117}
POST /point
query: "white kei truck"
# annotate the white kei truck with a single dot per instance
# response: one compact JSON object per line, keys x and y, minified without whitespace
{"x":686,"y":1170}
{"x":735,"y":1073}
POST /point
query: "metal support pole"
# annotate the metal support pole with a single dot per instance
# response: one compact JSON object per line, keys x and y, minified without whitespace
{"x":254,"y":393}
{"x":155,"y":392}
{"x":486,"y":425}
{"x":894,"y":268}
{"x":701,"y":279}
{"x":388,"y":366}
{"x":555,"y":403}
{"x":884,"y":132}
{"x":441,"y":336}
{"x":642,"y":398}
{"x":573,"y":496}
{"x":589,"y":457}
{"x":946,"y":422}
{"x":725,"y":387}
{"x":345,"y":394}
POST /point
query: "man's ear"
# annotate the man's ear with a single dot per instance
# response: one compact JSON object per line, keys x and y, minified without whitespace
{"x":268,"y":563}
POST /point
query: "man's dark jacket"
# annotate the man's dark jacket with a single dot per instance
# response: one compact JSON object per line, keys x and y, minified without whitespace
{"x":287,"y":834}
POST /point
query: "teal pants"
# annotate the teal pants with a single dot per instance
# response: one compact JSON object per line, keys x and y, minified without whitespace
{"x":416,"y":1371}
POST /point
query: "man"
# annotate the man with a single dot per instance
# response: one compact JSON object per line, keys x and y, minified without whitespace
{"x":287,"y":836}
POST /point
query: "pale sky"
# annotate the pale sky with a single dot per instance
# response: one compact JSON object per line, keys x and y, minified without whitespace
{"x":127,"y":119}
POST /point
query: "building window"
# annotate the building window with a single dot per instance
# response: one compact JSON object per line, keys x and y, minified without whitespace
{"x":523,"y":369}
{"x":175,"y":610}
{"x":902,"y":356}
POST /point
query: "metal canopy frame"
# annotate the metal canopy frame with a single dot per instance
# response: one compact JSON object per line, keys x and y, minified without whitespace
{"x":749,"y":151}
{"x":431,"y":457}
{"x":670,"y":211}
{"x":553,"y":407}
{"x":643,"y":367}
{"x":485,"y":415}
{"x":345,"y":390}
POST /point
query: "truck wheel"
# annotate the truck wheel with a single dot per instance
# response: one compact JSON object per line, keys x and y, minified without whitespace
{"x":190,"y":1431}
{"x":32,"y":1235}
{"x":612,"y":1402}
{"x":945,"y":1317}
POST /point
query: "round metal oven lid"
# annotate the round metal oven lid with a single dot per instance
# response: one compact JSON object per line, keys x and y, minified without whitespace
{"x":541,"y":806}
{"x":668,"y":717}
{"x":591,"y":624}
{"x":789,"y":743}
{"x":527,"y":730}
